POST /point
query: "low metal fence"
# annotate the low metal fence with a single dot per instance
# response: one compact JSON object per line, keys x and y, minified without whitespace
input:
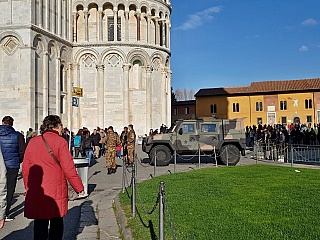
{"x":287,"y":153}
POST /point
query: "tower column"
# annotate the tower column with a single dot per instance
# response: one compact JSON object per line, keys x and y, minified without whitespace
{"x":115,"y":24}
{"x":157,"y":29}
{"x":127,"y":26}
{"x":59,"y":17}
{"x":100,"y":25}
{"x":45,"y":82}
{"x":149,"y":100}
{"x":163,"y":39}
{"x":100,"y":69}
{"x":58,"y":86}
{"x":163,"y":95}
{"x":148,"y":29}
{"x":40,"y":14}
{"x":86,"y":25}
{"x":169,"y":73}
{"x":74,"y":26}
{"x":169,"y":36}
{"x":138,"y":27}
{"x":126,"y":68}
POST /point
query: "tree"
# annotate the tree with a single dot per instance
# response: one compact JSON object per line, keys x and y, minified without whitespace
{"x":173,"y":96}
{"x":184,"y":95}
{"x":179,"y":95}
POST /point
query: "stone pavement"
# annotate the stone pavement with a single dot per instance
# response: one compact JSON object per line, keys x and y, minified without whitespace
{"x":93,"y":217}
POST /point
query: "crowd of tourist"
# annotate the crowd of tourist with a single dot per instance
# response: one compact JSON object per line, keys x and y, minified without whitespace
{"x":278,"y":134}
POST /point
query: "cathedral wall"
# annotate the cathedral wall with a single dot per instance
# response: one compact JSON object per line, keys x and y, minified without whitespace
{"x":15,"y":12}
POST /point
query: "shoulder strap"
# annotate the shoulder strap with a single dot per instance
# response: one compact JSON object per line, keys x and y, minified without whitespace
{"x":50,"y":151}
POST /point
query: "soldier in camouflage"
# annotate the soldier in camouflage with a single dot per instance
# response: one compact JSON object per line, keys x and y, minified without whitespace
{"x":123,"y":139}
{"x":111,"y":141}
{"x":131,"y":140}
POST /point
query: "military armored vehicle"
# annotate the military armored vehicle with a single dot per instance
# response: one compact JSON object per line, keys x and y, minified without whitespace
{"x":225,"y":137}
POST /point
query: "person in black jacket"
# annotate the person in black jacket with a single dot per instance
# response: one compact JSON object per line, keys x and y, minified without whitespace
{"x":96,"y":139}
{"x":87,"y":145}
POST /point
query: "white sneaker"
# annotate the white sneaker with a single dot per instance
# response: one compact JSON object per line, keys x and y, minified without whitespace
{"x":8,"y":219}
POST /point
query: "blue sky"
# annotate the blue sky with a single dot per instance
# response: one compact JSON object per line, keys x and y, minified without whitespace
{"x":226,"y":43}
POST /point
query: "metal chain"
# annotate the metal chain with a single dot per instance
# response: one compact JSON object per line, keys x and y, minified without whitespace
{"x":169,"y":216}
{"x":188,"y":159}
{"x":155,"y":205}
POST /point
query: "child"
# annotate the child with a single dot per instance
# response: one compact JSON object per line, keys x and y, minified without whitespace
{"x":119,"y":150}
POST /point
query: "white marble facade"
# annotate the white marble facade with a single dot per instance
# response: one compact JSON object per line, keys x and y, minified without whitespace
{"x":46,"y":45}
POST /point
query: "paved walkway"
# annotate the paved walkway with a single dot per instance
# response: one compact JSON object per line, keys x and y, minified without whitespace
{"x":93,"y":217}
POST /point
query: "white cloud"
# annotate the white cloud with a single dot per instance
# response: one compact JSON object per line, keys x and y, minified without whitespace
{"x":303,"y":49}
{"x":309,"y":22}
{"x":197,"y":19}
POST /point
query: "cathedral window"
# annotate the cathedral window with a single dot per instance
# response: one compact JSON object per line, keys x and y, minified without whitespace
{"x":110,"y":29}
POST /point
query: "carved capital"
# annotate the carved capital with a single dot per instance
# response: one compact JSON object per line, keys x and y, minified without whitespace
{"x":100,"y":67}
{"x":149,"y":69}
{"x":164,"y":70}
{"x":169,"y":72}
{"x":126,"y":67}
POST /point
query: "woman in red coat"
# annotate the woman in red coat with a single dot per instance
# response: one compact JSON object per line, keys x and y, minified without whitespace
{"x":45,"y":182}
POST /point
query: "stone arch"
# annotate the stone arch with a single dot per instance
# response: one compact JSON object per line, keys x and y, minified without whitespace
{"x":83,"y":51}
{"x":76,"y":4}
{"x":119,"y":52}
{"x":158,"y":55}
{"x":39,"y":39}
{"x":91,"y":3}
{"x":52,"y":45}
{"x":79,"y":6}
{"x":141,"y":53}
{"x":145,"y":4}
{"x":65,"y":54}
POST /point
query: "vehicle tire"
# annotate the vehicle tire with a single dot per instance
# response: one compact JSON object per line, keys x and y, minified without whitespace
{"x":233,"y":155}
{"x":163,"y":155}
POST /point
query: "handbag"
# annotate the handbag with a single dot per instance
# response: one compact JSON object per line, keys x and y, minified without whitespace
{"x":72,"y":194}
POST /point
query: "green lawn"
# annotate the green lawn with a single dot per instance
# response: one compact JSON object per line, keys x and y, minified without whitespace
{"x":244,"y":202}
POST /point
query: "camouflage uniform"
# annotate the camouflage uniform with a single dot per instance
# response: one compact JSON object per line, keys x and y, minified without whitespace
{"x":123,"y":139}
{"x":111,"y":141}
{"x":131,"y":140}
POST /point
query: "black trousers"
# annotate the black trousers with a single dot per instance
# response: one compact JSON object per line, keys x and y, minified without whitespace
{"x":12,"y":175}
{"x":41,"y":226}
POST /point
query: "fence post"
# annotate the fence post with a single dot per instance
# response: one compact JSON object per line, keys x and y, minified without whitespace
{"x":256,"y":154}
{"x":291,"y":156}
{"x":161,"y":212}
{"x":175,"y":160}
{"x":133,"y":197}
{"x":155,"y":164}
{"x":199,"y":158}
{"x":123,"y":176}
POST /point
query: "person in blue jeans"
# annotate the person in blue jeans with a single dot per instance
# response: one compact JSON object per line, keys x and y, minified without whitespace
{"x":88,"y":145}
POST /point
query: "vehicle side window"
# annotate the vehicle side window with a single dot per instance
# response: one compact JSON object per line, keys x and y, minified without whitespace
{"x":208,"y":128}
{"x":188,"y":128}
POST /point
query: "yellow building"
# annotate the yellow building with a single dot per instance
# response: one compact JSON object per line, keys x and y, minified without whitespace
{"x":270,"y":102}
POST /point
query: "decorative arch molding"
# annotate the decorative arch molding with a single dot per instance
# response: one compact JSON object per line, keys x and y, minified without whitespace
{"x":13,"y":34}
{"x":40,"y":39}
{"x":52,"y":44}
{"x":107,"y":52}
{"x":67,"y":54}
{"x":76,"y":4}
{"x":158,"y":55}
{"x":145,"y":4}
{"x":140,"y":53}
{"x":83,"y":51}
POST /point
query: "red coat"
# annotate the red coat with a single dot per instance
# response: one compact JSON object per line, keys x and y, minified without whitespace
{"x":44,"y":180}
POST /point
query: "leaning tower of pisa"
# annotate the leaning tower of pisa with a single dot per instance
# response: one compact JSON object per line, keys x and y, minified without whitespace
{"x":118,"y":51}
{"x":121,"y":60}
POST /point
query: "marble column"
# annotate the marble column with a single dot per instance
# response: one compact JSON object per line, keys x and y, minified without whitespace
{"x":168,"y":36}
{"x":63,"y":19}
{"x":126,"y":68}
{"x":69,"y":95}
{"x":74,"y":26}
{"x":157,"y":30}
{"x":148,"y":29}
{"x":115,"y":25}
{"x":40,"y":13}
{"x":169,"y":73}
{"x":163,"y":95}
{"x":58,"y":87}
{"x":86,"y":30}
{"x":100,"y":25}
{"x":47,"y":15}
{"x":127,"y":26}
{"x":163,"y":39}
{"x":77,"y":83}
{"x":100,"y":69}
{"x":59,"y":17}
{"x":45,"y":82}
{"x":138,"y":27}
{"x":148,"y":99}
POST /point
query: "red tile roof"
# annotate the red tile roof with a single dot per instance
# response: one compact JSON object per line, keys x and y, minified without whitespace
{"x":264,"y":87}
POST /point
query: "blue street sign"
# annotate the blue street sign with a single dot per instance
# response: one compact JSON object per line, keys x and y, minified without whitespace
{"x":75,"y":101}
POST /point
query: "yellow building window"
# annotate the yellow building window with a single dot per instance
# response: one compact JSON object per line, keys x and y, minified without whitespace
{"x":283,"y":105}
{"x":258,"y":106}
{"x":308,"y":103}
{"x":236,"y":107}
